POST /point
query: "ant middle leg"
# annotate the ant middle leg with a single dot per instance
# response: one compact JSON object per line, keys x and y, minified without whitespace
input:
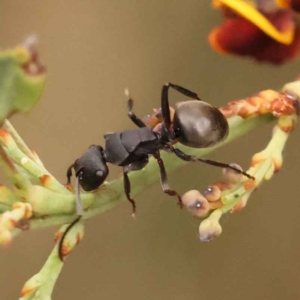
{"x":137,"y":121}
{"x":164,"y":179}
{"x":135,"y":166}
{"x":187,"y":157}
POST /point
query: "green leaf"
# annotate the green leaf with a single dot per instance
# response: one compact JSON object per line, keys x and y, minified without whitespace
{"x":22,"y":79}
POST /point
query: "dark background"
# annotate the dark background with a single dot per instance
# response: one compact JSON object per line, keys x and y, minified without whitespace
{"x":93,"y":50}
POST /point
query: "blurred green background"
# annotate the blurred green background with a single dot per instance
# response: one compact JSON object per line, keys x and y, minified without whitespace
{"x":95,"y":49}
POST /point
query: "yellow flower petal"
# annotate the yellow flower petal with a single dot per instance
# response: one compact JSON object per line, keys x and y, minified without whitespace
{"x":249,"y":12}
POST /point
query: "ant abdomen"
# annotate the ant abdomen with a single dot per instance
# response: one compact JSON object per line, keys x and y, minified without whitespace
{"x":198,"y":124}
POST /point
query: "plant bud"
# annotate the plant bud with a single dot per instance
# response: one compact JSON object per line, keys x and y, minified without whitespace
{"x":73,"y":238}
{"x":209,"y":229}
{"x":196,"y":203}
{"x":212,"y":193}
{"x":231,"y":175}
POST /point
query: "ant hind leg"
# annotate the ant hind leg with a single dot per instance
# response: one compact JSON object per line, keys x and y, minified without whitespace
{"x":187,"y":157}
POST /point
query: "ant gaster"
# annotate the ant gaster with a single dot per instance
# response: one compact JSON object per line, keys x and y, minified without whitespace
{"x":195,"y":124}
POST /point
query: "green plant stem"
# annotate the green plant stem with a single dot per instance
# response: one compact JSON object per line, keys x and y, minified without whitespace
{"x":60,"y":211}
{"x":43,"y":282}
{"x":18,"y":140}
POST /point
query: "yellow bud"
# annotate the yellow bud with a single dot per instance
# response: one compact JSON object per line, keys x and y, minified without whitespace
{"x":209,"y":229}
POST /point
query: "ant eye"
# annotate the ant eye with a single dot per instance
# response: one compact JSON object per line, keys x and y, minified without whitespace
{"x":99,"y":173}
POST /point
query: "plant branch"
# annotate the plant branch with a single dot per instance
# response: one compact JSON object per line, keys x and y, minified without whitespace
{"x":111,"y":194}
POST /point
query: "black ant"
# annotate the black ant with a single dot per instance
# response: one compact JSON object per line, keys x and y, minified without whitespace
{"x":195,"y":124}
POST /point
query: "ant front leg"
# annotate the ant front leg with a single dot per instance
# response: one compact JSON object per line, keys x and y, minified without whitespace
{"x":187,"y":157}
{"x":164,"y":179}
{"x":135,"y":166}
{"x":137,"y":121}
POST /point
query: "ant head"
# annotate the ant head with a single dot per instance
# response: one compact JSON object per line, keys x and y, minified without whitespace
{"x":198,"y":124}
{"x":91,"y":168}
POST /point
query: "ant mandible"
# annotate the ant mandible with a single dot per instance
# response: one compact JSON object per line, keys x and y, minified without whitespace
{"x":195,"y":124}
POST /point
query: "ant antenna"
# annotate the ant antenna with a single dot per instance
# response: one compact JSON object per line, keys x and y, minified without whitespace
{"x":79,"y":211}
{"x":224,"y":165}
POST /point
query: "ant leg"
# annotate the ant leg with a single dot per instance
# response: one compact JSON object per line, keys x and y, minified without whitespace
{"x":137,"y":121}
{"x":127,"y":189}
{"x":165,"y":100}
{"x":187,"y":157}
{"x":164,"y":179}
{"x":79,"y":211}
{"x":184,"y":91}
{"x":69,"y":174}
{"x":165,"y":107}
{"x":138,"y":165}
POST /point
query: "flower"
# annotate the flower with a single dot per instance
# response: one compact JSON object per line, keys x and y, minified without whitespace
{"x":265,"y":30}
